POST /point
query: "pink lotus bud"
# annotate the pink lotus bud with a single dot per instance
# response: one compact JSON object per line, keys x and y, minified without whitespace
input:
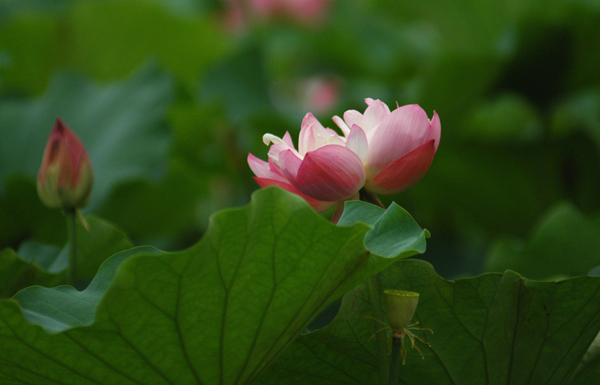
{"x":65,"y":178}
{"x":383,"y":151}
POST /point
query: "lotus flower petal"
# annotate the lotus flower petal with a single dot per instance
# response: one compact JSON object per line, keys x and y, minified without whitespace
{"x":435,"y":130}
{"x":318,"y":205}
{"x":374,"y":114}
{"x":357,"y":142}
{"x":306,"y":141}
{"x":264,"y":170}
{"x":287,"y":139}
{"x":352,"y":117}
{"x":403,"y":130}
{"x":342,"y":125}
{"x":330,"y":173}
{"x":404,"y":172}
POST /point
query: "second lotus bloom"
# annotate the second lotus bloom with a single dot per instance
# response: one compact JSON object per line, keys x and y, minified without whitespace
{"x":381,"y":150}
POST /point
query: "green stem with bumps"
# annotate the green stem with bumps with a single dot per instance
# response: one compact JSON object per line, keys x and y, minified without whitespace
{"x":382,"y":338}
{"x":376,"y":305}
{"x":396,"y":360}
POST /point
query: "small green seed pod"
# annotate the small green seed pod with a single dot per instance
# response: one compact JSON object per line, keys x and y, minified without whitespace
{"x":400,"y":307}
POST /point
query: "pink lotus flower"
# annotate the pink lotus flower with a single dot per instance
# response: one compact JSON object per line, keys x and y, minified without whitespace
{"x":307,"y":12}
{"x":302,"y":10}
{"x":319,"y":93}
{"x":65,"y":178}
{"x":381,"y":150}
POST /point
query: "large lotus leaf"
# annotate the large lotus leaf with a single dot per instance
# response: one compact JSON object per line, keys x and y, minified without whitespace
{"x":217,"y":313}
{"x":565,"y":243}
{"x":16,"y":274}
{"x":39,"y":264}
{"x":118,"y":124}
{"x":64,"y":307}
{"x":589,"y":371}
{"x":491,"y":329}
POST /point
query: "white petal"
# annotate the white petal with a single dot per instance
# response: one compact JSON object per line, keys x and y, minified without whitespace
{"x":342,"y":125}
{"x":352,"y":117}
{"x":270,"y":138}
{"x":306,"y":141}
{"x":374,"y":114}
{"x":357,"y":142}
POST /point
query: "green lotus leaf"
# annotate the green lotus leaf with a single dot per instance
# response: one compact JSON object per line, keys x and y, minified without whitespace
{"x":218,"y":313}
{"x":491,"y":329}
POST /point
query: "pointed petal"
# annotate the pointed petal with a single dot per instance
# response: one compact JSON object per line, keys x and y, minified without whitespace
{"x":259,"y":167}
{"x":342,"y":125}
{"x":306,"y":141}
{"x":262,"y":169}
{"x":275,"y":169}
{"x":374,"y":114}
{"x":330,"y":173}
{"x":287,"y":139}
{"x":435,"y":130}
{"x":357,"y":142}
{"x":319,"y":206}
{"x":289,"y":164}
{"x":404,"y":172}
{"x":352,"y":117}
{"x":403,"y":130}
{"x":310,"y":119}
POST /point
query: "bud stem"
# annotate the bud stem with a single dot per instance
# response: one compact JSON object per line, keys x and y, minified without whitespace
{"x":396,"y":359}
{"x":72,"y":234}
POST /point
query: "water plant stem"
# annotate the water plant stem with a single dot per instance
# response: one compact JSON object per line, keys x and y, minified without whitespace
{"x":72,"y":237}
{"x":396,"y":358}
{"x":382,"y":337}
{"x":376,"y":305}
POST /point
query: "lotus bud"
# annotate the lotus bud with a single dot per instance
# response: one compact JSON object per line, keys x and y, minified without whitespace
{"x":65,"y":178}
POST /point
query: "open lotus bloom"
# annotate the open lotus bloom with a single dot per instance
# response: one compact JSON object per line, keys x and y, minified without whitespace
{"x":381,"y":150}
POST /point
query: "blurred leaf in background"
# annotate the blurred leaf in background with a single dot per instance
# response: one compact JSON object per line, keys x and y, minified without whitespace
{"x":563,"y":244}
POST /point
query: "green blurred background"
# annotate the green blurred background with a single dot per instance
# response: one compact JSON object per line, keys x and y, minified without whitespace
{"x":170,"y":96}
